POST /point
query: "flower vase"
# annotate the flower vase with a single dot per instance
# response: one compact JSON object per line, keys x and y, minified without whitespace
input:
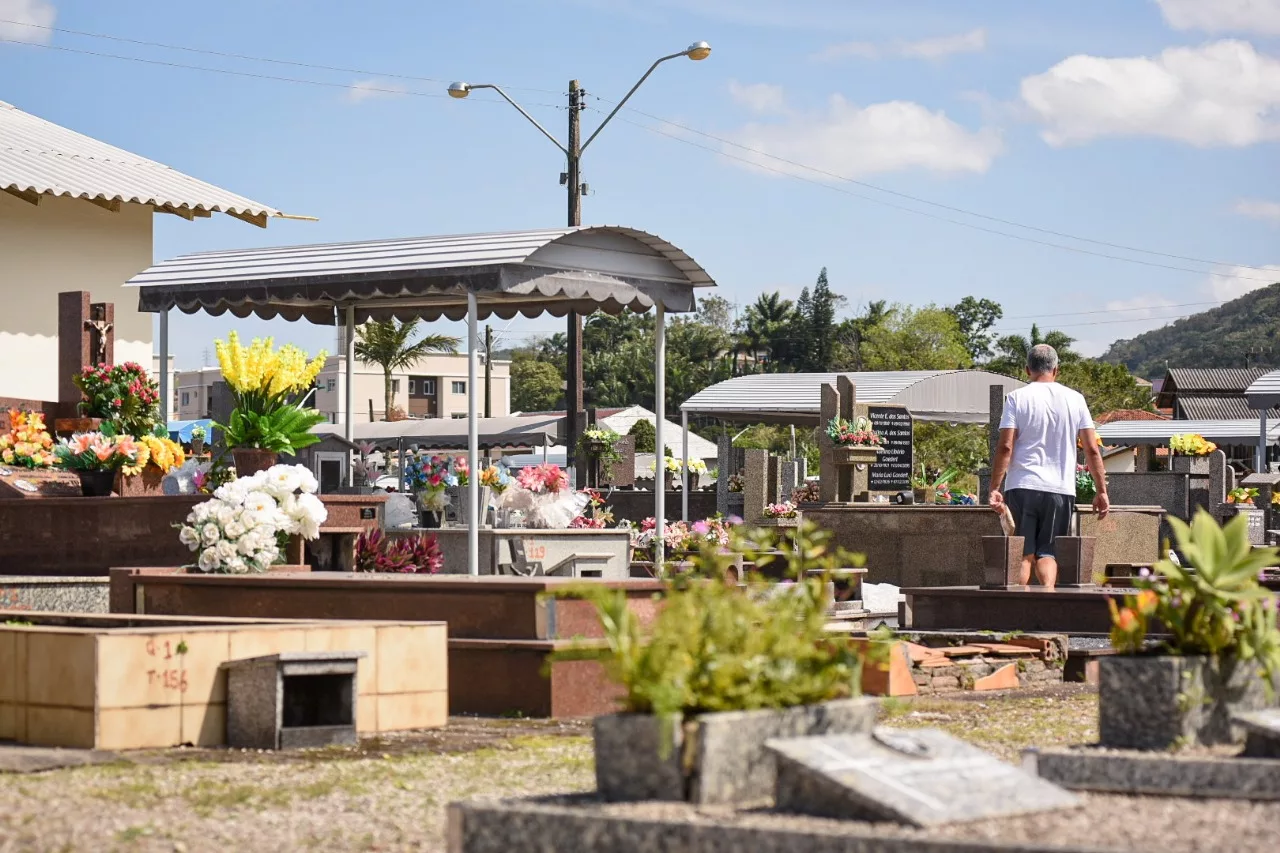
{"x":464,"y":506}
{"x":693,"y":481}
{"x":251,"y":460}
{"x":430,"y":519}
{"x":96,"y":484}
{"x":1191,"y":464}
{"x":667,"y":478}
{"x":197,"y":446}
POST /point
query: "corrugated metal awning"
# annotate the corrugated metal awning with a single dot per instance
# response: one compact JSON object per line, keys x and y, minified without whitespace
{"x":38,"y":157}
{"x":451,"y":433}
{"x":962,"y":396}
{"x":584,"y":269}
{"x":1264,"y":393}
{"x":1134,"y":433}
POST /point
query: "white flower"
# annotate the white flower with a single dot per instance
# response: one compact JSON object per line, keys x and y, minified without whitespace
{"x":259,"y":502}
{"x":311,"y":514}
{"x":234,"y":529}
{"x":210,"y":533}
{"x":283,"y":479}
{"x":200,"y":512}
{"x":208,"y":560}
{"x":189,"y":537}
{"x":223,"y":514}
{"x":307,"y":483}
{"x":225,"y":550}
{"x":236,"y":566}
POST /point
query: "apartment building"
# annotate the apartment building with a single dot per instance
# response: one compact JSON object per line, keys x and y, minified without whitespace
{"x":434,"y":387}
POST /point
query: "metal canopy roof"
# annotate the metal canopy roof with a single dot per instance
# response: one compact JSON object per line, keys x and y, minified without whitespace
{"x":1133,"y":433}
{"x":1264,"y":393}
{"x":930,"y":395}
{"x":583,"y":269}
{"x":450,"y":433}
{"x":38,"y":157}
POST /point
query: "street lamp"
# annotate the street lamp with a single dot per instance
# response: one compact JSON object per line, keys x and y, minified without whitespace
{"x":573,"y":154}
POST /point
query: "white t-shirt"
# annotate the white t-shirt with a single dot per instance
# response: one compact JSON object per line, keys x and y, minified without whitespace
{"x":1048,"y":418}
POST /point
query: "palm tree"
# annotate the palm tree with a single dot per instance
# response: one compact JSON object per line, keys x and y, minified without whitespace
{"x":1012,"y":350}
{"x":764,"y":323}
{"x":391,"y":344}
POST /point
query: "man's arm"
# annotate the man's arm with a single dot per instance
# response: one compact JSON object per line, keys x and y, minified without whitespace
{"x":1000,"y":466}
{"x":1093,"y":459}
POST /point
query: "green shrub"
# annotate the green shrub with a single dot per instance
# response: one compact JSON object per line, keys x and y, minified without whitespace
{"x":646,"y":436}
{"x":719,"y":646}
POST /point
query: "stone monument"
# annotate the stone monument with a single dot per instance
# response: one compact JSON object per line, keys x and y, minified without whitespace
{"x":840,"y":483}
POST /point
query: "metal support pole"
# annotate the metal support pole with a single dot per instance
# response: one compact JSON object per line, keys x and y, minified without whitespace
{"x":349,"y":392}
{"x":473,"y":441}
{"x":166,"y":393}
{"x":400,"y":485}
{"x":659,"y":447}
{"x":684,"y":489}
{"x":573,"y":352}
{"x":1260,"y":460}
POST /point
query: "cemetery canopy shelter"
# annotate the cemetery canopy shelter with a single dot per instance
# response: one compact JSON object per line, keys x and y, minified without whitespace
{"x":1139,"y":433}
{"x":454,"y":433}
{"x":474,"y":276}
{"x":962,"y":396}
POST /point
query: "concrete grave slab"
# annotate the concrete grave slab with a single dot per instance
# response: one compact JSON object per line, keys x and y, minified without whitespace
{"x":918,"y":778}
{"x":1159,"y":774}
{"x":1262,"y":733}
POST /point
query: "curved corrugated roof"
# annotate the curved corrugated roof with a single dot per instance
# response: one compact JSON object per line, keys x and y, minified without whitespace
{"x":42,"y":158}
{"x":1264,"y":392}
{"x":586,"y":268}
{"x":939,"y":395}
{"x":1132,"y":433}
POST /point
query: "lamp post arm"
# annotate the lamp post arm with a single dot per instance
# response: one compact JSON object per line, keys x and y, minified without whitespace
{"x":628,"y":96}
{"x":521,"y":109}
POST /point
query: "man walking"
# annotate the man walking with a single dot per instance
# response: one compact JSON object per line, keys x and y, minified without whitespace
{"x":1039,"y":430}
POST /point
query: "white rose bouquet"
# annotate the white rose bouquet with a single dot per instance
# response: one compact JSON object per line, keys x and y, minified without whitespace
{"x":244,"y":526}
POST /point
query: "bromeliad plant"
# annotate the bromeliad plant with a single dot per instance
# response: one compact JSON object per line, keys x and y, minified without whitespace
{"x":1213,"y":606}
{"x":717,"y":646}
{"x":376,"y":552}
{"x":267,"y":386}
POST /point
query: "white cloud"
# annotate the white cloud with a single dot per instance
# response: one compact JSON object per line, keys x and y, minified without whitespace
{"x":1258,"y":209}
{"x":1223,"y":16}
{"x":40,"y":13}
{"x":373,"y":88}
{"x":849,"y":140}
{"x":1219,"y":94}
{"x":974,"y":41}
{"x":1234,"y":282}
{"x":759,"y":97}
{"x":1140,"y":307}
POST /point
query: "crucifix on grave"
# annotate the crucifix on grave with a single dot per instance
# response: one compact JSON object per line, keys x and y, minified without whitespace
{"x":86,"y":336}
{"x":99,"y":327}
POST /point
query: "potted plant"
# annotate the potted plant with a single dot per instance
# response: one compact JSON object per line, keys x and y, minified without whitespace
{"x":251,"y":522}
{"x":95,"y":458}
{"x":377,"y":552}
{"x":1221,"y":653}
{"x":808,"y":492}
{"x":856,"y":442}
{"x":723,"y":668}
{"x":1190,"y":453}
{"x":783,"y":514}
{"x":926,"y":491}
{"x":122,"y":395}
{"x":670,"y":468}
{"x":266,"y":388}
{"x":696,"y":469}
{"x":197,"y":440}
{"x":363,"y":472}
{"x":429,"y":477}
{"x":596,"y":445}
{"x":27,"y":444}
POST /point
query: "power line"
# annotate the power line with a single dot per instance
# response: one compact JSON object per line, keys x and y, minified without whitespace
{"x":249,"y":57}
{"x":920,"y":200}
{"x":1112,"y":310}
{"x":961,"y":223}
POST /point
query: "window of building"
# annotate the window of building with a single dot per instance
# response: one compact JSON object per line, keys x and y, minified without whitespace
{"x":330,"y":384}
{"x":459,"y":387}
{"x":422,"y":386}
{"x":413,"y":388}
{"x":395,"y":386}
{"x":186,"y":398}
{"x":458,"y":415}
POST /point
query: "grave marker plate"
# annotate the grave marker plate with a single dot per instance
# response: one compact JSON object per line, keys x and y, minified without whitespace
{"x":38,"y":483}
{"x":919,"y":778}
{"x":892,"y":471}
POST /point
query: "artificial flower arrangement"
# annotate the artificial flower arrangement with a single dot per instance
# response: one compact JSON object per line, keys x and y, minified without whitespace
{"x":679,"y":537}
{"x":595,"y":515}
{"x":542,"y":494}
{"x":496,"y":477}
{"x":1086,"y":488}
{"x":697,"y":466}
{"x":165,"y":454}
{"x":27,"y":444}
{"x":1191,"y":444}
{"x":786,"y":509}
{"x":735,"y":483}
{"x":544,"y":479}
{"x":670,"y":465}
{"x":599,"y":445}
{"x":1244,"y":496}
{"x":248,"y":522}
{"x":377,"y":552}
{"x":1215,"y":606}
{"x":122,"y":395}
{"x":96,"y":451}
{"x":363,"y":468}
{"x":853,"y":433}
{"x":429,"y":476}
{"x":809,"y":492}
{"x":267,"y":387}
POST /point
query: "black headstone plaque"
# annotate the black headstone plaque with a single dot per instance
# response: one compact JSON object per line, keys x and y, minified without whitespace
{"x":892,"y":471}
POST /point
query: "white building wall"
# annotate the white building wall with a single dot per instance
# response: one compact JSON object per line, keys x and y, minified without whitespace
{"x":446,"y":369}
{"x":58,"y":245}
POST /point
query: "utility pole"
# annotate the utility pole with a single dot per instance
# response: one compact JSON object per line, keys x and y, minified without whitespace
{"x":573,"y":367}
{"x":488,"y":360}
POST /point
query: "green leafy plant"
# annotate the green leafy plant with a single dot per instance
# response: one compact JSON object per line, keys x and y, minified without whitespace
{"x":597,"y":444}
{"x":1213,"y":606}
{"x":283,"y":429}
{"x":717,"y":646}
{"x":1086,"y":488}
{"x":923,"y":482}
{"x":122,"y":395}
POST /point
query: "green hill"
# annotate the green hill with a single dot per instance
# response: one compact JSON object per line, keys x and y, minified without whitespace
{"x":1242,"y":333}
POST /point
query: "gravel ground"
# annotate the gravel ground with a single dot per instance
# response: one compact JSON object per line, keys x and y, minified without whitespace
{"x":390,"y":793}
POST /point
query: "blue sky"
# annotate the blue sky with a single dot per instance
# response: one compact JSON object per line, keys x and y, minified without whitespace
{"x":1145,"y":123}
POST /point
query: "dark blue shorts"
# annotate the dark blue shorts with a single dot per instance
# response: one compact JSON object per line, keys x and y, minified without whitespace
{"x":1040,"y":518}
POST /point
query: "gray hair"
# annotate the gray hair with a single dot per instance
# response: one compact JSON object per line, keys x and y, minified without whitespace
{"x":1042,"y":359}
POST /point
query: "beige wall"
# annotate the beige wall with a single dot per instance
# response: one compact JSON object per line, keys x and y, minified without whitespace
{"x":59,"y":245}
{"x":446,"y":369}
{"x":195,"y":384}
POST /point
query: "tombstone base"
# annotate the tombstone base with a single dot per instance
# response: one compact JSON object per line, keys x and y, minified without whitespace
{"x":1002,"y":562}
